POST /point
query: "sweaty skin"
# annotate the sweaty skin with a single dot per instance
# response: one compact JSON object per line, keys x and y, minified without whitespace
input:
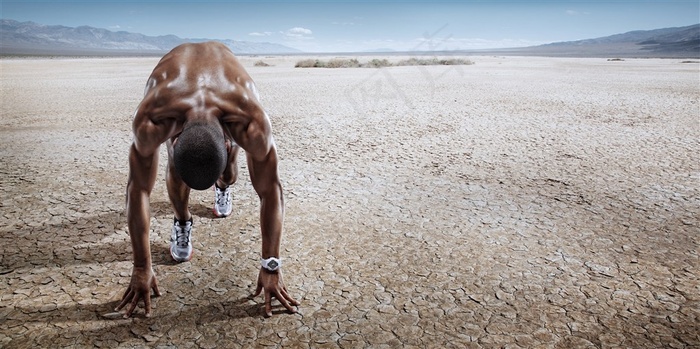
{"x":201,"y":83}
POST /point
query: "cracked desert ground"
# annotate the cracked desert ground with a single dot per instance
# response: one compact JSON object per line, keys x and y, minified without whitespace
{"x":518,"y":202}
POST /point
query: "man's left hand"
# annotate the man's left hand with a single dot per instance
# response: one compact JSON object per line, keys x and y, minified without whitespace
{"x":272,"y":283}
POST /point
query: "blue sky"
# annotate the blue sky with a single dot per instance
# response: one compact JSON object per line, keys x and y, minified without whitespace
{"x":334,"y":26}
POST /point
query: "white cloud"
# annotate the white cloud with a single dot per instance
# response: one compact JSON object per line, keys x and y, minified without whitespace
{"x":260,"y":33}
{"x":301,"y":38}
{"x":114,"y":27}
{"x":297,"y":32}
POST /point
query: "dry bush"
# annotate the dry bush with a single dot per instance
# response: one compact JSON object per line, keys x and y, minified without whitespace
{"x":414,"y":61}
{"x":310,"y":63}
{"x":343,"y":63}
{"x":434,"y":61}
{"x":456,"y":61}
{"x":378,"y":63}
{"x":261,"y":64}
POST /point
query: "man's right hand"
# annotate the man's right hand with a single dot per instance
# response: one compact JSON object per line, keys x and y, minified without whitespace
{"x":143,"y":279}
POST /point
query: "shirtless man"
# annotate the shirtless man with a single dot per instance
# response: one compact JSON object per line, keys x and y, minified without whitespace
{"x":201,"y":102}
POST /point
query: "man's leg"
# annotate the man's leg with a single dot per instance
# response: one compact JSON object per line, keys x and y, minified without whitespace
{"x":230,"y":174}
{"x":179,"y":193}
{"x":222,"y":205}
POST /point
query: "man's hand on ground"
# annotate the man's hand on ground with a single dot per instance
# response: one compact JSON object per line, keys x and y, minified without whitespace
{"x":142,"y":281}
{"x":272,"y":283}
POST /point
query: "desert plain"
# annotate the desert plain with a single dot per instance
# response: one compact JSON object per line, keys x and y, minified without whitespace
{"x":519,"y":202}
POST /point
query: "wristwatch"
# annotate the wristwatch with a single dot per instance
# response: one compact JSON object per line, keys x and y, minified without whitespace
{"x":271,"y":264}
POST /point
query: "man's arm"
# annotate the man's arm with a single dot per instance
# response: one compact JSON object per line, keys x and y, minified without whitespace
{"x":143,"y":166}
{"x":142,"y":176}
{"x":263,"y":174}
{"x":254,"y":135}
{"x":266,"y":182}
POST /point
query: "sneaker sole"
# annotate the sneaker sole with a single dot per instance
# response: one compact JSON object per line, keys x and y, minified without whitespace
{"x":219,"y":215}
{"x":181,"y":260}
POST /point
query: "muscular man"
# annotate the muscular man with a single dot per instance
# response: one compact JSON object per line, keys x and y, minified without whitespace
{"x":200,"y":102}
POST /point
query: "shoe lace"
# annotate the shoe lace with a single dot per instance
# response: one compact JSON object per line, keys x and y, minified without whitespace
{"x":182,"y":235}
{"x":223,"y":197}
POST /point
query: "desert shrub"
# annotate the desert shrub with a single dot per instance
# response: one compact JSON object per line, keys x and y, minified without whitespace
{"x":378,"y":63}
{"x":310,"y":63}
{"x":343,"y":63}
{"x":615,"y":59}
{"x":333,"y":63}
{"x":456,"y":61}
{"x":306,"y":63}
{"x":336,"y":63}
{"x":261,"y":64}
{"x":419,"y":61}
{"x":412,"y":61}
{"x":434,"y":61}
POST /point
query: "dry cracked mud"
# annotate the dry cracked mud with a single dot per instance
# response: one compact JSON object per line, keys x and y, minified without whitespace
{"x":513,"y":203}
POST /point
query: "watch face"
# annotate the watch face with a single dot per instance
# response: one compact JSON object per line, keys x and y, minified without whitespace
{"x":272,"y":265}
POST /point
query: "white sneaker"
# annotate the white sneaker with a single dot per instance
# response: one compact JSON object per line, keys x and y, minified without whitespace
{"x":181,"y":241}
{"x":222,"y":205}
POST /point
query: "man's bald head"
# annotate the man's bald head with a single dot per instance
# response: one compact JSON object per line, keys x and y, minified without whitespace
{"x":200,"y":154}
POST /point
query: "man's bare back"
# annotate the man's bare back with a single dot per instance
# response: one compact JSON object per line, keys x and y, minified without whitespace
{"x":201,"y":87}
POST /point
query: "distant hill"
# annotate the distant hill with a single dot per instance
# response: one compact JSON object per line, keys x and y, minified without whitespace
{"x":28,"y":38}
{"x":668,"y":42}
{"x":17,"y":38}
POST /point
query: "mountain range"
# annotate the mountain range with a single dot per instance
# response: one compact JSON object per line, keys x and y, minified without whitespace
{"x":28,"y":38}
{"x":677,"y":42}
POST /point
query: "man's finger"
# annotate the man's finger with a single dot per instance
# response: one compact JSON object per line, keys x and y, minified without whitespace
{"x":289,"y":298}
{"x":258,"y":289}
{"x":134,"y":303}
{"x":268,"y":303}
{"x":125,"y":299}
{"x":155,"y":287}
{"x":147,"y":305}
{"x":284,"y":303}
{"x":283,"y":293}
{"x":126,"y":293}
